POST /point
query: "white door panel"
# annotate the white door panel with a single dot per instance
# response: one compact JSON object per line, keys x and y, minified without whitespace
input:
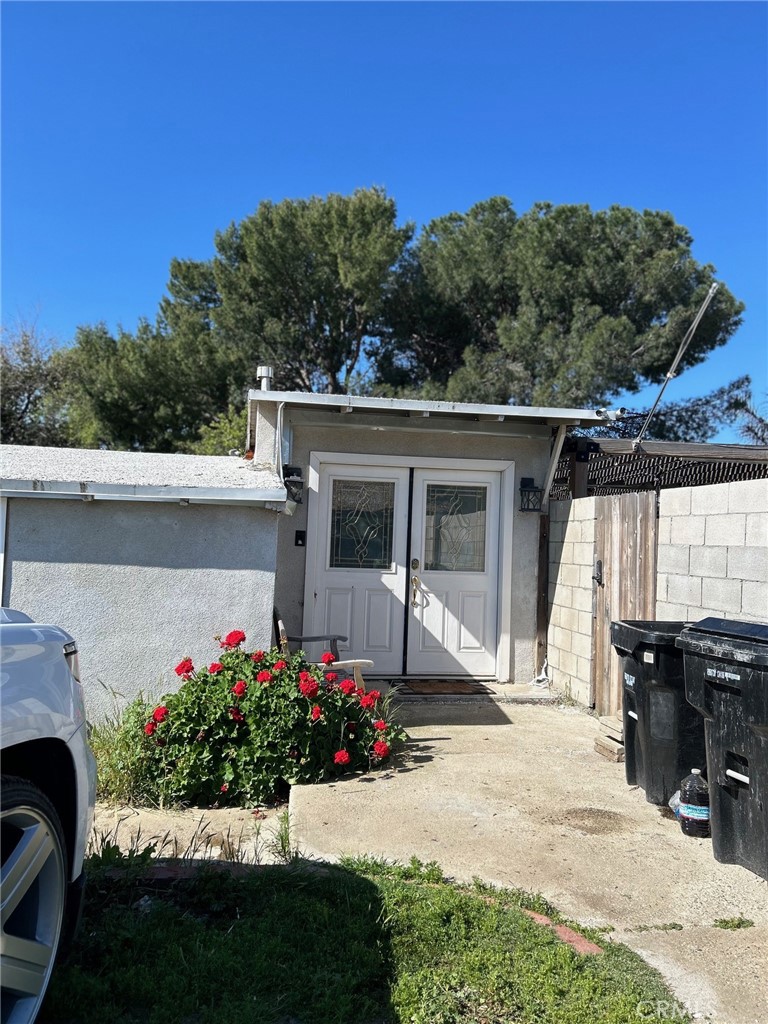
{"x":360,"y":557}
{"x":455,"y":539}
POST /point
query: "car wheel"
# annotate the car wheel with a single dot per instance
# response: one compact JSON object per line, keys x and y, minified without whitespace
{"x":34,"y":887}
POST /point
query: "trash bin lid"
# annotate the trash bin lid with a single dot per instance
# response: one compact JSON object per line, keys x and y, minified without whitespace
{"x":628,"y":634}
{"x":727,"y":638}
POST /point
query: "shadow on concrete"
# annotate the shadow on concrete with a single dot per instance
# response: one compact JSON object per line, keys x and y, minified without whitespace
{"x":467,"y":711}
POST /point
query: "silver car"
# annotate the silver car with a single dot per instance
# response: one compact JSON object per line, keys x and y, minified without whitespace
{"x":46,"y":806}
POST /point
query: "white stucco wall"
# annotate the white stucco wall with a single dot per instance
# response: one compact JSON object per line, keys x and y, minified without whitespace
{"x":140,"y":585}
{"x":531,"y":458}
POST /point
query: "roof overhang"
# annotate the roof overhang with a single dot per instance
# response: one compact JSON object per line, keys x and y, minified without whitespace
{"x":89,"y":491}
{"x":403,"y":408}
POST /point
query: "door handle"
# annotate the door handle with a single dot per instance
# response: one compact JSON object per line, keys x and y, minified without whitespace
{"x":415,"y":585}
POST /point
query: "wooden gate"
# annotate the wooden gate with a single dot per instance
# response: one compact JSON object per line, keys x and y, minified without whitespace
{"x":625,"y":564}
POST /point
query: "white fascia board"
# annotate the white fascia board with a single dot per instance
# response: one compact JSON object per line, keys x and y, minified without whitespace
{"x":88,"y":491}
{"x":353,"y":403}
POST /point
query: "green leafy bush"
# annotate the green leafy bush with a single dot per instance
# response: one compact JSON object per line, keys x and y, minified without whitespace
{"x":249,"y":722}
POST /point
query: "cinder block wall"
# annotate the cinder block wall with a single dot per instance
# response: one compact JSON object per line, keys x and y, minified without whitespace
{"x":713,"y":552}
{"x":571,"y":564}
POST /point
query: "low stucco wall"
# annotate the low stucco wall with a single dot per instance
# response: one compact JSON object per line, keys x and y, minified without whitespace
{"x":140,"y":584}
{"x":531,"y":458}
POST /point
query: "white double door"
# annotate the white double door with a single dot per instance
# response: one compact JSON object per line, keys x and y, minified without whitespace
{"x":404,"y":561}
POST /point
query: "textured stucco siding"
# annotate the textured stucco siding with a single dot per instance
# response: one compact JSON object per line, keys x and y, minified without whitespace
{"x":713,"y":552}
{"x":571,"y":561}
{"x":140,"y":585}
{"x":531,"y":458}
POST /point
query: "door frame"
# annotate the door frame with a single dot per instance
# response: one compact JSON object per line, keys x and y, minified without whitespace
{"x":506,"y":471}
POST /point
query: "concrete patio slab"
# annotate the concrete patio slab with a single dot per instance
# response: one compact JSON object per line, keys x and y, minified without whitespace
{"x":515,"y":794}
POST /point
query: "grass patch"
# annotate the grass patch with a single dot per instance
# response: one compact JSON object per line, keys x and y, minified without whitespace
{"x":732,"y":923}
{"x":124,"y":768}
{"x":363,"y":942}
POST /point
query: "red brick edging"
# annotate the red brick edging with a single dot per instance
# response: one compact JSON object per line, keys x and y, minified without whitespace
{"x":566,"y":934}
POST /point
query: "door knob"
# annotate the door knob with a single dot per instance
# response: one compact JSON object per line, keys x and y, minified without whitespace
{"x":415,"y":585}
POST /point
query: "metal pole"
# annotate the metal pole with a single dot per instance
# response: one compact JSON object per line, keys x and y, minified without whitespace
{"x":673,"y":368}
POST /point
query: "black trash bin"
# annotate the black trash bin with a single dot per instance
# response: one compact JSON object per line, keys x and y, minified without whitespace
{"x":663,"y":733}
{"x":726,"y":678}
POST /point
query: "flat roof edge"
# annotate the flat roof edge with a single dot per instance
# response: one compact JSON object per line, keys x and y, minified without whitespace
{"x":362,"y":403}
{"x":140,"y":492}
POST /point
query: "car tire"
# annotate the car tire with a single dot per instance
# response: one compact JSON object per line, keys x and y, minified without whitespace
{"x":34,"y":893}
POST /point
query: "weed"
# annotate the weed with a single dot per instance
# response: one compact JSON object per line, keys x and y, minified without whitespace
{"x":281,"y":843}
{"x":673,"y":926}
{"x":732,"y":923}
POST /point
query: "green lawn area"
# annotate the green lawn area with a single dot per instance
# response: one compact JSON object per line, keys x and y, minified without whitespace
{"x":358,"y":943}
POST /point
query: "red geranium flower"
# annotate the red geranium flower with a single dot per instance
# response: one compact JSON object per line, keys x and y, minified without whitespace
{"x":375,"y":694}
{"x":280,"y":665}
{"x":341,"y":757}
{"x":224,"y":787}
{"x":264,"y":677}
{"x":381,"y":725}
{"x":160,"y":714}
{"x":367,"y":701}
{"x":257,"y":655}
{"x":347,"y":686}
{"x":305,"y":676}
{"x":309,"y":688}
{"x":233,"y":639}
{"x":150,"y":727}
{"x":236,"y":714}
{"x":332,"y":677}
{"x":381,"y":749}
{"x":317,"y":712}
{"x":215,"y":667}
{"x":239,"y":688}
{"x":185,"y":668}
{"x":327,"y":658}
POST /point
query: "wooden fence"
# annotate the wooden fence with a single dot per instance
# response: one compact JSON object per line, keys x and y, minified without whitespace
{"x":625,"y":561}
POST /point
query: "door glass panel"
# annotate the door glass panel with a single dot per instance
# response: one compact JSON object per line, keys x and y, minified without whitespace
{"x":454,"y":528}
{"x":362,"y":524}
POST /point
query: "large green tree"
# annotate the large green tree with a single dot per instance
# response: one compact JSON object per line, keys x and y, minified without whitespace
{"x":300,"y":285}
{"x":563,"y":306}
{"x":154,"y":389}
{"x":32,"y":397}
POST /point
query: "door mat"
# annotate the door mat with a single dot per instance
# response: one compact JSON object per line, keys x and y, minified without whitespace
{"x":441,"y":687}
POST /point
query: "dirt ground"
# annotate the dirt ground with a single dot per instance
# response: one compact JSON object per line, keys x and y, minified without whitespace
{"x":229,"y":833}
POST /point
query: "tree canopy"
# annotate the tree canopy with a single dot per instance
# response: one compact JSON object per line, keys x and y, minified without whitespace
{"x":564,"y":306}
{"x":31,"y":410}
{"x":299,"y":285}
{"x":560,"y":306}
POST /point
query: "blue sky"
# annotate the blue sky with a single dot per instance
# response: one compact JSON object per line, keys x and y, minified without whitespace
{"x":133,"y":131}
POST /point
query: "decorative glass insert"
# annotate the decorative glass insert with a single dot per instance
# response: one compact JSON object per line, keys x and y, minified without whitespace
{"x":362,"y":524}
{"x":454,"y":529}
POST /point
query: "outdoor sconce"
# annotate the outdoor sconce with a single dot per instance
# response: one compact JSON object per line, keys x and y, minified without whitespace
{"x":530,"y":495}
{"x":294,"y":483}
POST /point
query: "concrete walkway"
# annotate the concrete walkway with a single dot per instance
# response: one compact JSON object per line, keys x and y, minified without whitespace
{"x":514,"y":794}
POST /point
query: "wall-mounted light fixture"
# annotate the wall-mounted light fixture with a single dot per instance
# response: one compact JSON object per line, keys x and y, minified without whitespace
{"x":293,"y":479}
{"x":530,"y":495}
